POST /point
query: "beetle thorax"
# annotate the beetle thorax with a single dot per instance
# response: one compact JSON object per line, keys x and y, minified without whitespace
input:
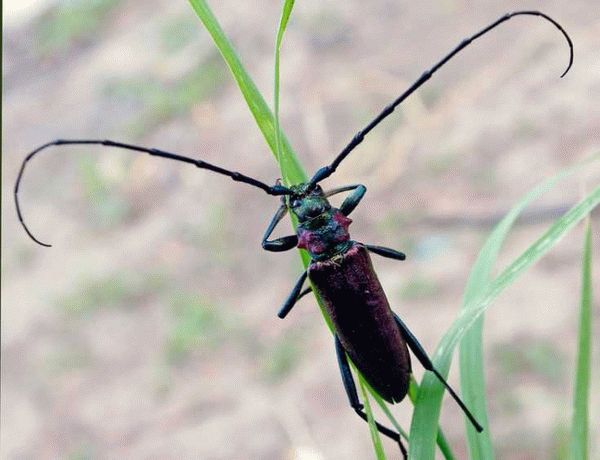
{"x":325,"y":235}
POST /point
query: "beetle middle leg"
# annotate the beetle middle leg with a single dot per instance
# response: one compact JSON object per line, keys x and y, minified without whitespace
{"x":294,"y":296}
{"x":425,"y":361}
{"x":352,"y":394}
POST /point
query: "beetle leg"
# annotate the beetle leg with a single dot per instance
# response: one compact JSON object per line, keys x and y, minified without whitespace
{"x":280,"y":244}
{"x":293,"y":297}
{"x":286,"y":309}
{"x":352,"y":394}
{"x":351,"y":201}
{"x":425,"y":361}
{"x":386,"y":252}
{"x":308,"y":290}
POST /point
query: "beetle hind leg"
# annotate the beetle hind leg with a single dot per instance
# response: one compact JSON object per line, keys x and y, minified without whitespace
{"x":424,"y":359}
{"x":352,"y":394}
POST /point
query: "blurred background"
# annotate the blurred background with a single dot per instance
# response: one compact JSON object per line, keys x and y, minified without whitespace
{"x":149,"y":329}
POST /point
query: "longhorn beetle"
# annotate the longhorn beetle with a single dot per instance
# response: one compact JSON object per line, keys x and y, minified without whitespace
{"x":365,"y":328}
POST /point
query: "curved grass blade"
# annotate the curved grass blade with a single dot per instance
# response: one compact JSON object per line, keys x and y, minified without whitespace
{"x":579,"y":445}
{"x":427,"y":410}
{"x":472,"y":374}
{"x":291,"y":168}
{"x":441,"y":440}
{"x":285,"y":16}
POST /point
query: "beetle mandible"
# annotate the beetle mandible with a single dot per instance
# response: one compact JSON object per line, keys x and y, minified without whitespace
{"x":341,"y":272}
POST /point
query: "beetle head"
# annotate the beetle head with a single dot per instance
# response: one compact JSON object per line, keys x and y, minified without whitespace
{"x":307,"y":201}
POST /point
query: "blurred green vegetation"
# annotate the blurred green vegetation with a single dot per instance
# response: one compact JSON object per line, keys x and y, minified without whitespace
{"x":526,"y":128}
{"x":160,"y":101}
{"x":70,"y":22}
{"x":443,"y":162}
{"x":282,"y":356}
{"x":560,"y":444}
{"x":430,"y":95}
{"x":418,"y":287}
{"x":109,"y":208}
{"x":213,"y":233}
{"x":177,"y":33}
{"x":196,"y":324}
{"x":85,"y":451}
{"x":534,"y":356}
{"x":117,"y":290}
{"x":68,"y":358}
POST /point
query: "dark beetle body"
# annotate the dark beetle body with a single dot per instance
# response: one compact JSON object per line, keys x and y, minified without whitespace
{"x":363,"y":320}
{"x":342,"y":274}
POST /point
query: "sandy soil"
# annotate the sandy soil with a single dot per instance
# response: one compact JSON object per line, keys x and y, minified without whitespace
{"x":149,"y":329}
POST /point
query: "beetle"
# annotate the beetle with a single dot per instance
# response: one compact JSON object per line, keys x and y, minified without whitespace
{"x":366,"y":330}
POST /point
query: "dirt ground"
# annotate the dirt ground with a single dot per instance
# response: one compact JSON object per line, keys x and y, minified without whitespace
{"x":148,"y":330}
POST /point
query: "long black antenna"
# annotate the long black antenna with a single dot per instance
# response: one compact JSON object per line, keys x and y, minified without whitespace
{"x":236,"y":176}
{"x":327,"y":171}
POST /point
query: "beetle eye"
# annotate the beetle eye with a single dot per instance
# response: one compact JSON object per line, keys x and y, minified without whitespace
{"x":295,"y":203}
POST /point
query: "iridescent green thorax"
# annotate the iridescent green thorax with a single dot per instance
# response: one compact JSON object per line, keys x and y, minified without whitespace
{"x":322,"y":229}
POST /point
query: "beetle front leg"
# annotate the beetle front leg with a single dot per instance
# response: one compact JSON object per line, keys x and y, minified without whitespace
{"x":280,"y":244}
{"x":425,"y":361}
{"x":352,"y":200}
{"x":352,"y":394}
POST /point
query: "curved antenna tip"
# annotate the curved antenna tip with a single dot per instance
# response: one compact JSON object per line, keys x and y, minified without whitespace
{"x":570,"y":56}
{"x":41,"y":243}
{"x":567,"y":69}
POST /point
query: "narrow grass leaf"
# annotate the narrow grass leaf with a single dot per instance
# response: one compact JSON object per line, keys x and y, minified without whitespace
{"x":472,"y":374}
{"x":427,"y":410}
{"x":578,"y":448}
{"x":285,"y":17}
{"x":379,"y":452}
{"x":292,"y":171}
{"x":442,"y":442}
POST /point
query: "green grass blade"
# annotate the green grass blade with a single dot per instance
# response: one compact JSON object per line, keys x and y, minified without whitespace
{"x":441,"y":440}
{"x":471,"y":348}
{"x":427,"y":410}
{"x":444,"y":446}
{"x":580,"y":426}
{"x":472,"y":384}
{"x":379,"y":452}
{"x":285,"y":17}
{"x":291,"y":169}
